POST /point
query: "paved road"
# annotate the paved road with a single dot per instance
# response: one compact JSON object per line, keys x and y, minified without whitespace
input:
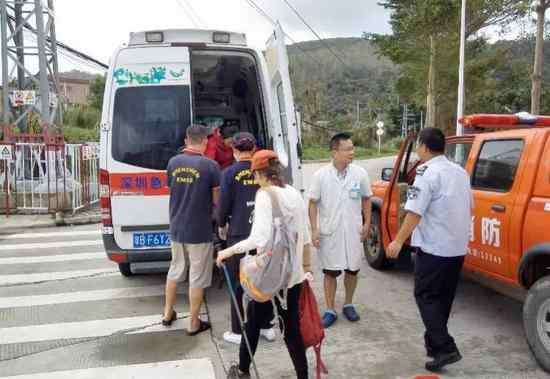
{"x":65,"y":312}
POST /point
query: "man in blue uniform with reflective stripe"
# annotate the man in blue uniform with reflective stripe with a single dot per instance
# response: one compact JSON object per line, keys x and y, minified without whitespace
{"x":438,"y":217}
{"x":194,"y":182}
{"x":237,"y":195}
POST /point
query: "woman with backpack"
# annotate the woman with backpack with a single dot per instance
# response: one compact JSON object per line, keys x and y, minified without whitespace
{"x":268,"y":174}
{"x":237,"y":193}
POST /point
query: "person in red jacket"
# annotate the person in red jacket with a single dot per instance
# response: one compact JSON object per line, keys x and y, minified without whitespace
{"x":219,"y":145}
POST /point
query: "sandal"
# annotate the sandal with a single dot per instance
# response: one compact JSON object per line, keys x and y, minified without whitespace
{"x":172,"y":318}
{"x":204,"y":325}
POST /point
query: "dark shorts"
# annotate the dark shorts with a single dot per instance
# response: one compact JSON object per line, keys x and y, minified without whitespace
{"x":337,"y":273}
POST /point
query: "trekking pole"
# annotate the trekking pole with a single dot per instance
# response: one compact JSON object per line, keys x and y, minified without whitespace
{"x":236,"y":305}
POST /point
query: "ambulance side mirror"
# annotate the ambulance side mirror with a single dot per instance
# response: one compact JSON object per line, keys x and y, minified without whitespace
{"x":386,"y":174}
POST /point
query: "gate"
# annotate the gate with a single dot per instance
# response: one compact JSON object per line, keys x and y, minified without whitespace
{"x":45,"y":178}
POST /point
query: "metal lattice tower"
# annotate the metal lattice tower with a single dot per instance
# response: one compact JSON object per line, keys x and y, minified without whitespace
{"x":29,"y":66}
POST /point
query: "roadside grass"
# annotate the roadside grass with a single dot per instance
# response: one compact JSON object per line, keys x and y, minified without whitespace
{"x":313,"y":153}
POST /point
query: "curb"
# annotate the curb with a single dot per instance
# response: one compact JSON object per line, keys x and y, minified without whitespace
{"x":78,"y":220}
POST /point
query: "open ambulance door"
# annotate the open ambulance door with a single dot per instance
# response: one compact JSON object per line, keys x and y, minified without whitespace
{"x":286,"y":133}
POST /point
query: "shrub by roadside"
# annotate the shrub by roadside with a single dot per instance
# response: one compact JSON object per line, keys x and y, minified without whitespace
{"x":322,"y":152}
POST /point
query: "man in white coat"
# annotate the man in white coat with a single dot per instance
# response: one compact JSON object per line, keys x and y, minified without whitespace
{"x":339,"y":213}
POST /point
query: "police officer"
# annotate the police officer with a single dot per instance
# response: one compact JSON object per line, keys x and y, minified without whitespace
{"x":238,"y":193}
{"x":438,"y":217}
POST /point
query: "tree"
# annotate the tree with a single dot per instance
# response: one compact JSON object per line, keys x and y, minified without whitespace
{"x":97,"y":88}
{"x":425,"y":44}
{"x":536,"y":80}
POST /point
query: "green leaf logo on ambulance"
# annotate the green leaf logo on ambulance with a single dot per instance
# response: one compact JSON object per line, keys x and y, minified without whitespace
{"x":155,"y":75}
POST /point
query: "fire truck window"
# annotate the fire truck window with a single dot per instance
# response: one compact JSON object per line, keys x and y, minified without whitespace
{"x":497,"y":164}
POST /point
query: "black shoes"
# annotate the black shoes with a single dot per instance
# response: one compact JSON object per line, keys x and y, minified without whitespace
{"x":172,"y":318}
{"x":442,"y":360}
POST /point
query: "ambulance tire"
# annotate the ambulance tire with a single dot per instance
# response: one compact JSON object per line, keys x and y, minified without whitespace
{"x":374,"y":246}
{"x":536,"y":319}
{"x":124,"y":269}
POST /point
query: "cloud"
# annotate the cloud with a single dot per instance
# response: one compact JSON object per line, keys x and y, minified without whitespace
{"x":98,"y":27}
{"x":331,"y":18}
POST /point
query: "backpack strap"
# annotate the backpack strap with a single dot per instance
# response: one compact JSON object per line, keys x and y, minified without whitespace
{"x":277,"y":212}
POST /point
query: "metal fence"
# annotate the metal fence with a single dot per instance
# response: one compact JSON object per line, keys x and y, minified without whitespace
{"x":48,"y":178}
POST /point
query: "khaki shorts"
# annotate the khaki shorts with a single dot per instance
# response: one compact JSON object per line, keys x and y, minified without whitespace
{"x":198,"y":259}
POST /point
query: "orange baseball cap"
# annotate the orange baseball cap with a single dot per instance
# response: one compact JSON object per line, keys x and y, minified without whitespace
{"x":261,"y":158}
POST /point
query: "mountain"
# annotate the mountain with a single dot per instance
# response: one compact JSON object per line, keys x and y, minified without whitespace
{"x":328,"y":81}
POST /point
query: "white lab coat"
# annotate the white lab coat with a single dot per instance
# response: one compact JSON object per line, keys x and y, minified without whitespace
{"x":340,"y":215}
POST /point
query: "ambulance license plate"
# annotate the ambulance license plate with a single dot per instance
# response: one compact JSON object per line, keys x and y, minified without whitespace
{"x":152,"y":240}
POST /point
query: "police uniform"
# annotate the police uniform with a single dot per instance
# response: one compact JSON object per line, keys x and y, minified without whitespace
{"x":442,"y":196}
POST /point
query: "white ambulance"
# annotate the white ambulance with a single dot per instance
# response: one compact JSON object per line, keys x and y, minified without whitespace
{"x":157,"y":85}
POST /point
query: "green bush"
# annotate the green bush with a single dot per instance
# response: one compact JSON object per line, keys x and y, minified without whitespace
{"x":82,"y":117}
{"x":79,"y":135}
{"x":312,"y":152}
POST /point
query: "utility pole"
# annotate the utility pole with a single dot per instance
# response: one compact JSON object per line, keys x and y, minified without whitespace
{"x":35,"y":89}
{"x":460,"y":104}
{"x":357,"y":120}
{"x":405,"y":121}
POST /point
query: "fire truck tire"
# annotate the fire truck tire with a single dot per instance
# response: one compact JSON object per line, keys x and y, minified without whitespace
{"x":374,"y":245}
{"x":536,"y":321}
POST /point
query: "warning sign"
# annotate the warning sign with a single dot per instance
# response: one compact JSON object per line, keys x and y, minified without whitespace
{"x":5,"y":152}
{"x":22,"y":98}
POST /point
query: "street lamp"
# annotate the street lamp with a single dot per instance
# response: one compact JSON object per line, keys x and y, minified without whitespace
{"x":460,"y":104}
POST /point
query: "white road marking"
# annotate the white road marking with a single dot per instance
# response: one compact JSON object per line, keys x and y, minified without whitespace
{"x":190,"y":368}
{"x":20,"y":236}
{"x":80,"y":296}
{"x":48,"y":276}
{"x":52,"y":258}
{"x":86,"y":329}
{"x":51,"y":245}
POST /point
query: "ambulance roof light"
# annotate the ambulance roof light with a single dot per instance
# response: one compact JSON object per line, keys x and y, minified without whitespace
{"x":154,"y":37}
{"x":221,"y":37}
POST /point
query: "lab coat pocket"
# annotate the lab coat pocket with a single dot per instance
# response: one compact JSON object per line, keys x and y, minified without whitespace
{"x":354,"y":191}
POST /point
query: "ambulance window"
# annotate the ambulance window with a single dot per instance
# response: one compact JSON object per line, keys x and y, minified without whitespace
{"x":149,"y":124}
{"x":497,"y":164}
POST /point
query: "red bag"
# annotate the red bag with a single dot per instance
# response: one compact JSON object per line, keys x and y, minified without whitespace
{"x":310,"y":325}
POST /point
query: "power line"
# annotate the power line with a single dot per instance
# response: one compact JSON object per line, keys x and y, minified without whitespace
{"x":195,"y":13}
{"x":65,"y":47}
{"x":316,"y":34}
{"x":264,"y":14}
{"x":188,"y":14}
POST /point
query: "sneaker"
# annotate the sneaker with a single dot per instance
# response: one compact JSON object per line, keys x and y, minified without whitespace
{"x":443,"y":360}
{"x":268,"y":334}
{"x":232,"y":338}
{"x":350,"y":313}
{"x":329,"y":318}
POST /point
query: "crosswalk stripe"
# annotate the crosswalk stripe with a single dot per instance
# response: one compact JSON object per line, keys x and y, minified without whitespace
{"x":201,"y":368}
{"x":81,"y":296}
{"x":48,"y":245}
{"x":51,"y":234}
{"x":51,"y":258}
{"x":88,"y":329}
{"x":48,"y":276}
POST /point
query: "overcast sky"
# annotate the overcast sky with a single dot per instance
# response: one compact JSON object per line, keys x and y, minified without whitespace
{"x":98,"y":27}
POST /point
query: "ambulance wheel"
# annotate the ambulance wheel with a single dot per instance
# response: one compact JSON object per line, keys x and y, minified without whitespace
{"x":536,"y":321}
{"x":374,"y":246}
{"x":124,"y":269}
